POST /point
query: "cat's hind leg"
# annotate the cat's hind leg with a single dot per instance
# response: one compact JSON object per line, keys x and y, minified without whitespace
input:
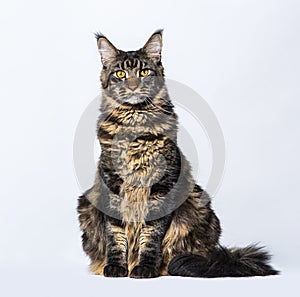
{"x":93,"y":236}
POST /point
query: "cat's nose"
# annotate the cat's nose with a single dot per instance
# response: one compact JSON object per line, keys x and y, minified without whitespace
{"x":132,"y":83}
{"x":132,"y":87}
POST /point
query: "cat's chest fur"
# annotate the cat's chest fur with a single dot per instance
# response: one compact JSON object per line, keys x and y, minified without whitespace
{"x":135,"y":145}
{"x":136,"y":149}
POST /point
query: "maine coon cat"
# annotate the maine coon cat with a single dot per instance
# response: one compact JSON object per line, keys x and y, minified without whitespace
{"x":145,"y":216}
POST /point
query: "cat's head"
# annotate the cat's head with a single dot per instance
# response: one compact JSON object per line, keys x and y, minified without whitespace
{"x":133,"y":76}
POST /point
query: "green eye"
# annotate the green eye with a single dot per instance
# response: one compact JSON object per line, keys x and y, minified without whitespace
{"x":120,"y":74}
{"x":144,"y":72}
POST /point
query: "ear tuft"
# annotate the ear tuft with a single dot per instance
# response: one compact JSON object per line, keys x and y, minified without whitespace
{"x":153,"y":46}
{"x":106,"y":49}
{"x":98,"y":35}
{"x":159,"y":31}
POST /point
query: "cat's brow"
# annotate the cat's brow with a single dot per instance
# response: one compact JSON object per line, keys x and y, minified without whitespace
{"x":123,"y":64}
{"x":127,"y":63}
{"x":135,"y":63}
{"x":131,"y":63}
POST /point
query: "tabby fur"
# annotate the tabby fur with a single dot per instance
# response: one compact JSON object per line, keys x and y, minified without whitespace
{"x":145,"y":216}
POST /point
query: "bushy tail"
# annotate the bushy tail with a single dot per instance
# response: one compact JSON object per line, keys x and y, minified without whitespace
{"x":223,"y":262}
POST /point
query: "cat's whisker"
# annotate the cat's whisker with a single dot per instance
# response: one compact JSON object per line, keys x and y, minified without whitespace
{"x":149,"y":103}
{"x":159,"y":107}
{"x":111,"y":113}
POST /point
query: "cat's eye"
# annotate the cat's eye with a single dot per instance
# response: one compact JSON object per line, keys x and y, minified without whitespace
{"x":121,"y":74}
{"x":144,"y":72}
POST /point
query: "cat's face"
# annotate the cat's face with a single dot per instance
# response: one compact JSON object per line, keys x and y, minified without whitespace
{"x":131,"y":77}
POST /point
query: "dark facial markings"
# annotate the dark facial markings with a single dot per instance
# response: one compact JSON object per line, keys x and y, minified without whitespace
{"x":131,"y":78}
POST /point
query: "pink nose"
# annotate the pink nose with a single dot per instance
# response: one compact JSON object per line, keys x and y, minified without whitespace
{"x":132,"y":87}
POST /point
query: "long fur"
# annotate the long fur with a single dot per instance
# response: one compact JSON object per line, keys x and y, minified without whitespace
{"x":223,"y":262}
{"x":145,"y":215}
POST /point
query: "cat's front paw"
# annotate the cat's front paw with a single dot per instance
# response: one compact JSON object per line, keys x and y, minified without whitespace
{"x":113,"y":270}
{"x":141,"y":271}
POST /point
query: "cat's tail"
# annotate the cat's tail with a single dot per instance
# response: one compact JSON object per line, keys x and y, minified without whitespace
{"x":224,"y":262}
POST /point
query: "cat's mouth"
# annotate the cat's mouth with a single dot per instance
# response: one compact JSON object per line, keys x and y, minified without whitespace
{"x":134,"y":99}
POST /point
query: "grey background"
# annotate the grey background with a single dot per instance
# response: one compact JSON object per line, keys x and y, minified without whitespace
{"x":241,"y":56}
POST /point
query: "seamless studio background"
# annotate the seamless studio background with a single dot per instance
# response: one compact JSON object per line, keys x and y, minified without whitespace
{"x":241,"y":56}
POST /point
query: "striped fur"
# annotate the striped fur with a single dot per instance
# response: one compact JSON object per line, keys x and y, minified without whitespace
{"x":145,"y":210}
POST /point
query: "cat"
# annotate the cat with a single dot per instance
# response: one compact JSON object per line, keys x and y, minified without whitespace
{"x":145,"y":216}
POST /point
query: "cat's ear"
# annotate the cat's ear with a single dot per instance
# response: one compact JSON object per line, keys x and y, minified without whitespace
{"x":153,"y":46}
{"x":106,"y":49}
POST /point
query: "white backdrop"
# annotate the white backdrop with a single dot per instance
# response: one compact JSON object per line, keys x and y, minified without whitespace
{"x":241,"y":56}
